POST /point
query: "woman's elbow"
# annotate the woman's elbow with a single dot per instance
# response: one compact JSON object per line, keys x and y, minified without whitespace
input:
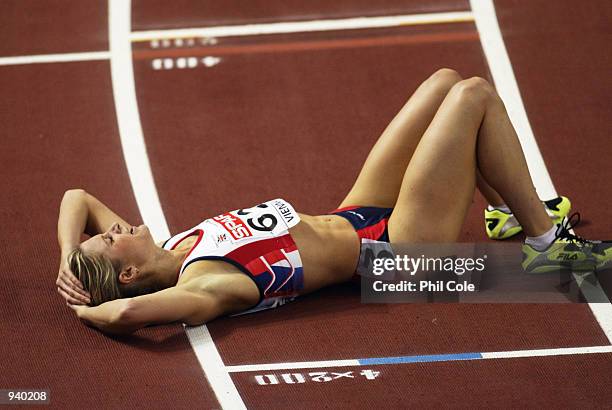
{"x":75,"y":191}
{"x":126,"y":314}
{"x":74,"y":194}
{"x":123,"y":321}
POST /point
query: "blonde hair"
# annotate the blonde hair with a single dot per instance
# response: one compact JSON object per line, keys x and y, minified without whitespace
{"x":101,"y":278}
{"x":97,"y":274}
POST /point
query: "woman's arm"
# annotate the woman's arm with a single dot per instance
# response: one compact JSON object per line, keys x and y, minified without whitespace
{"x":72,"y":220}
{"x":80,"y":213}
{"x":123,"y":316}
{"x":108,"y":317}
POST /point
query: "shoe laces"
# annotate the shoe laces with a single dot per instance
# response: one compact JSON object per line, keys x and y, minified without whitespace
{"x":563,"y":229}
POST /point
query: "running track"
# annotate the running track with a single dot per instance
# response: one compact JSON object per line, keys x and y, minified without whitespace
{"x":246,"y":129}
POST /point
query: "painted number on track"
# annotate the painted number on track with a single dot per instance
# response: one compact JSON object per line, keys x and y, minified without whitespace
{"x":317,"y":377}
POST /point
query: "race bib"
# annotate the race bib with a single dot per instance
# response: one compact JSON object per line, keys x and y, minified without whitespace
{"x":267,"y":219}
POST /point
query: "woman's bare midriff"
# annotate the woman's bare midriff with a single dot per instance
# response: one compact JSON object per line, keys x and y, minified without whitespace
{"x":329,"y":248}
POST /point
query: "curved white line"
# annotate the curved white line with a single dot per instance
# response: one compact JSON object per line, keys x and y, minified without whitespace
{"x":141,"y":178}
{"x":128,"y":119}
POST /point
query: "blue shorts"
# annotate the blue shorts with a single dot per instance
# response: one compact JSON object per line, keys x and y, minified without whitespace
{"x":369,"y":222}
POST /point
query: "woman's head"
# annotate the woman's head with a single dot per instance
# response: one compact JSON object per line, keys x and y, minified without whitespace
{"x":115,"y":264}
{"x":97,"y":274}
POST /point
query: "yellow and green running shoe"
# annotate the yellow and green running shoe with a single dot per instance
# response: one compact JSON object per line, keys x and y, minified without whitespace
{"x":501,"y":225}
{"x":603,"y":255}
{"x":568,"y":252}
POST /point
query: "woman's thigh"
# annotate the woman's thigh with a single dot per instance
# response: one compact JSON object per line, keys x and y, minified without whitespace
{"x":380,"y":179}
{"x":438,"y":186}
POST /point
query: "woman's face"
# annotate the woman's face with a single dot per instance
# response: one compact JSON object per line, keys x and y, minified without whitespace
{"x":124,"y":245}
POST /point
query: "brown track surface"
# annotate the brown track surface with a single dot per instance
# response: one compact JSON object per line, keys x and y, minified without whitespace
{"x":562,"y":63}
{"x":59,"y":132}
{"x":158,"y":14}
{"x":335,"y":325}
{"x":291,"y":116}
{"x":52,"y":26}
{"x":254,"y":123}
{"x":543,"y":382}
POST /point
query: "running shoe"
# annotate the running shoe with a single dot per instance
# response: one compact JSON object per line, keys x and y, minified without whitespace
{"x":603,"y":255}
{"x":568,"y":252}
{"x":501,"y":225}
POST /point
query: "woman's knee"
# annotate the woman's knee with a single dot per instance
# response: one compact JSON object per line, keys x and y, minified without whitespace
{"x":474,"y":90}
{"x":445,"y":78}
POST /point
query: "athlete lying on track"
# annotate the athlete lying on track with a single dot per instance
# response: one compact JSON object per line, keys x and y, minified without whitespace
{"x":415,"y":186}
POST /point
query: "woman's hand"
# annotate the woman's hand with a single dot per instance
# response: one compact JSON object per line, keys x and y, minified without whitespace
{"x":70,"y":287}
{"x":110,"y":317}
{"x":78,"y":309}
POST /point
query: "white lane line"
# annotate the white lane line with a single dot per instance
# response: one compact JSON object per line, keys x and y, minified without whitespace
{"x":305,"y":26}
{"x":141,"y":178}
{"x":292,"y":365}
{"x":55,"y":58}
{"x":592,"y":291}
{"x":128,"y":119}
{"x":212,"y":363}
{"x":566,"y":351}
{"x":506,"y":85}
{"x":252,"y":29}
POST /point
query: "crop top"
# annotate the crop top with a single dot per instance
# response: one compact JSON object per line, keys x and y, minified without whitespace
{"x":256,"y":240}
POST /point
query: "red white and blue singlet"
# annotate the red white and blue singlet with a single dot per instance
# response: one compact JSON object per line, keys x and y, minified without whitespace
{"x":257,"y":241}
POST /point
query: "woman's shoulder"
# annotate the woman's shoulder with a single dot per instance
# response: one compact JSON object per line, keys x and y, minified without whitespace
{"x":235,"y":289}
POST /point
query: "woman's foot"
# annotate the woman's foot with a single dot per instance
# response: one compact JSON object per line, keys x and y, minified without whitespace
{"x":568,"y":252}
{"x":500,"y":224}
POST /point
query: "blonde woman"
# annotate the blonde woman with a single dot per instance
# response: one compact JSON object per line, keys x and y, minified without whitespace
{"x":415,"y":186}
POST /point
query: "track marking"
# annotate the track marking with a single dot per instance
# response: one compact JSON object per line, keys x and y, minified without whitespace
{"x":308,"y":45}
{"x":212,"y":364}
{"x":453,"y":357}
{"x":141,"y":178}
{"x":155,"y":36}
{"x":128,"y":119}
{"x":305,"y":26}
{"x":507,"y":87}
{"x":55,"y":58}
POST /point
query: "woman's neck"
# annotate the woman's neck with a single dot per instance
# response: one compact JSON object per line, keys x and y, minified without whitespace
{"x":167,"y":266}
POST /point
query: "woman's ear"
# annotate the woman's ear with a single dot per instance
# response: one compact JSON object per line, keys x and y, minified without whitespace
{"x":128,"y":274}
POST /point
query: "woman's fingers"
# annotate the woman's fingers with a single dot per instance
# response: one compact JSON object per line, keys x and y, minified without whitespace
{"x":70,"y":276}
{"x":69,"y":279}
{"x":66,"y":285}
{"x":73,"y":293}
{"x":69,"y":299}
